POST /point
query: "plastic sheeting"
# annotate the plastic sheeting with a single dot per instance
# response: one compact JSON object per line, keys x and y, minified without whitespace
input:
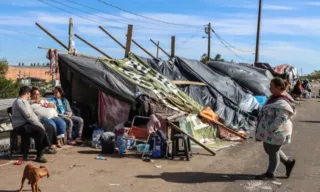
{"x":244,"y":76}
{"x":222,"y":94}
{"x":264,"y":72}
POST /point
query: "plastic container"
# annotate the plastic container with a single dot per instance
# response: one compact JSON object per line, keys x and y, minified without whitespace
{"x":143,"y":148}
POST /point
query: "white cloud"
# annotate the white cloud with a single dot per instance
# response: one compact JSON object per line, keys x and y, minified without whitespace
{"x":313,"y":3}
{"x":277,"y":7}
{"x":22,"y":3}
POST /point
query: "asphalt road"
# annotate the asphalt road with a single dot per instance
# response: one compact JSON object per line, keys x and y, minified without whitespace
{"x":231,"y":170}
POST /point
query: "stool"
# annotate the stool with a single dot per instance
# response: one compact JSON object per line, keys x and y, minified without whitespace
{"x":186,"y":152}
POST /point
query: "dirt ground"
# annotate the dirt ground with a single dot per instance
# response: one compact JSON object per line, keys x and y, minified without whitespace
{"x":232,"y":169}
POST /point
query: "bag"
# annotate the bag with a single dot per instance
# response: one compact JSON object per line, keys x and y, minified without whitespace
{"x":108,"y":147}
{"x":97,"y":137}
{"x":158,"y":147}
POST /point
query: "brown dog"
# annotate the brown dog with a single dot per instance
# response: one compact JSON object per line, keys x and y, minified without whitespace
{"x":33,"y":174}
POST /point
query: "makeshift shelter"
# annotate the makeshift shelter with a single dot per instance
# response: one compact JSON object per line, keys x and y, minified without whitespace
{"x":111,"y":85}
{"x":227,"y":99}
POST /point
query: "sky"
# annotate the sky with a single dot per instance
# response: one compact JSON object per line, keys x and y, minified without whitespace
{"x":290,"y":29}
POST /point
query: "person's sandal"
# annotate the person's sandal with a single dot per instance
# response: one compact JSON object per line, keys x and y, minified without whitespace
{"x":289,"y":166}
{"x":71,"y":142}
{"x":51,"y":151}
{"x":78,"y":141}
{"x":41,"y":159}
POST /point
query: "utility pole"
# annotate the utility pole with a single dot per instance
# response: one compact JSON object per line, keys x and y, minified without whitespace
{"x":258,"y":33}
{"x":209,"y":40}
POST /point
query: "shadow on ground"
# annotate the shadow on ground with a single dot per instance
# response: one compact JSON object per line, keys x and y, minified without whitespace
{"x":309,"y":121}
{"x":199,"y":177}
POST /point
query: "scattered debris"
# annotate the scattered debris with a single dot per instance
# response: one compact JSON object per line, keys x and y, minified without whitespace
{"x":158,"y":166}
{"x":81,"y":165}
{"x":114,"y":184}
{"x":225,"y":176}
{"x":266,"y":188}
{"x":277,"y":183}
{"x":101,"y":157}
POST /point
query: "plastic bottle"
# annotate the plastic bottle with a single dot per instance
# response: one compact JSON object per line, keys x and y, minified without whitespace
{"x":101,"y":158}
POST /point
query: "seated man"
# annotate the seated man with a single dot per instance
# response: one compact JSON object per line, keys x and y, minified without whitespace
{"x":28,"y":125}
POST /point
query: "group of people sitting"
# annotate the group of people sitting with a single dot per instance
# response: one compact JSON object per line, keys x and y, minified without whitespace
{"x":46,"y":121}
{"x":301,"y":89}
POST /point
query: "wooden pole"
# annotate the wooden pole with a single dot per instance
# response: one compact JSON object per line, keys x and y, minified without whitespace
{"x":193,"y":139}
{"x":173,"y":46}
{"x":160,"y":48}
{"x":209,"y":42}
{"x":143,"y":49}
{"x":52,"y":36}
{"x":129,"y":39}
{"x":256,"y":60}
{"x":70,"y":34}
{"x":158,"y":45}
{"x":94,"y":47}
{"x":112,"y":37}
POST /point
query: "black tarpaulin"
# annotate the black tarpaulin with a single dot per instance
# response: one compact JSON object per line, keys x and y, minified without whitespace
{"x":98,"y":75}
{"x":222,"y":94}
{"x":244,"y":76}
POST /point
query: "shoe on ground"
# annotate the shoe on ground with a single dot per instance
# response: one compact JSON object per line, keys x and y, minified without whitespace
{"x":265,"y":176}
{"x":41,"y":159}
{"x":289,"y":166}
{"x":51,"y":151}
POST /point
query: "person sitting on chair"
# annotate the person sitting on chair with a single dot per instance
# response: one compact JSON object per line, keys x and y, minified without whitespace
{"x":47,"y":113}
{"x":64,"y":110}
{"x":28,"y":125}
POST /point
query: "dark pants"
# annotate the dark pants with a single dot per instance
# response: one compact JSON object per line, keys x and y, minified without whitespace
{"x":74,"y":120}
{"x":51,"y":133}
{"x":275,"y":156}
{"x":38,"y":134}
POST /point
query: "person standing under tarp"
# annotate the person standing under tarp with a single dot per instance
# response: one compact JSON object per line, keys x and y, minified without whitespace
{"x":274,"y":128}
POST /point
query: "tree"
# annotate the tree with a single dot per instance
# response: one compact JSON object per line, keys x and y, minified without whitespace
{"x":204,"y":58}
{"x":4,"y":67}
{"x":218,"y":58}
{"x":8,"y":88}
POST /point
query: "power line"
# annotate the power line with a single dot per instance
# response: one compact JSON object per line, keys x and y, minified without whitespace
{"x":226,"y":46}
{"x":115,"y":15}
{"x":188,"y":39}
{"x":218,"y":36}
{"x":81,"y":16}
{"x":100,"y":23}
{"x":96,"y":15}
{"x":136,"y":14}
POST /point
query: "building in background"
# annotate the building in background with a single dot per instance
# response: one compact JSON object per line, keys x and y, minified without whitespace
{"x":20,"y":72}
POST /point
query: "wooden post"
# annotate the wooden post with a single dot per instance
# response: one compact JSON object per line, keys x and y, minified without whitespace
{"x":70,"y":34}
{"x":52,"y":36}
{"x":143,"y":49}
{"x":173,"y":46}
{"x":112,"y":37}
{"x":129,"y":39}
{"x":209,"y":42}
{"x":160,"y":48}
{"x":94,"y":47}
{"x":158,"y":45}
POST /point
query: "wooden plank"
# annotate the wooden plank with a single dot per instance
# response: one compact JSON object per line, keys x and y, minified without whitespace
{"x":188,"y":83}
{"x":143,"y":49}
{"x":165,"y":52}
{"x":173,"y":126}
{"x":94,"y":47}
{"x":86,"y":55}
{"x":52,"y":36}
{"x":129,"y":39}
{"x":176,"y":116}
{"x":112,"y":37}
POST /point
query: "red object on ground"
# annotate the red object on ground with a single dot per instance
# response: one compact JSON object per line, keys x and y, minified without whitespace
{"x":19,"y":162}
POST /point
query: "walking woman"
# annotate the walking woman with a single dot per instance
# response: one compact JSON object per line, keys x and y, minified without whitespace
{"x":64,"y":110}
{"x":274,"y":128}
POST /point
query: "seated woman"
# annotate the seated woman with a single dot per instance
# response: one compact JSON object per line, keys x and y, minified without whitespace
{"x":64,"y":111}
{"x":47,"y":113}
{"x":297,"y":90}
